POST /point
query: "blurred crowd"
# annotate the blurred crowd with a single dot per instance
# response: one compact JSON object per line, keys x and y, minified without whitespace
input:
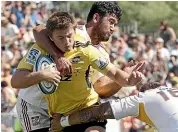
{"x":18,"y":19}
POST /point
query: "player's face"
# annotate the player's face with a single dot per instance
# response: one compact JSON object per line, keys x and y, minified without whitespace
{"x":105,"y":27}
{"x":64,"y":38}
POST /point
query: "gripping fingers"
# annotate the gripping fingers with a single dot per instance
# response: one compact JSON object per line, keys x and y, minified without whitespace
{"x":57,"y":80}
{"x":70,"y":68}
{"x":58,"y":77}
{"x":55,"y":83}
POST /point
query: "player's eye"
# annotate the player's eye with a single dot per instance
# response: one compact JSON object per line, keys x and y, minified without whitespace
{"x":112,"y":22}
{"x":60,"y":37}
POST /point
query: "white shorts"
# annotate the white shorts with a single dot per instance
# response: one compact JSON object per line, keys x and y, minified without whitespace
{"x":32,"y":117}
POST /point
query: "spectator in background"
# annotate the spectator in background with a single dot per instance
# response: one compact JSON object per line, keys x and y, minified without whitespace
{"x":113,"y":46}
{"x":175,"y":50}
{"x":7,"y":76}
{"x":141,"y":43}
{"x":149,"y":51}
{"x":167,"y":33}
{"x":53,"y":10}
{"x":15,"y":49}
{"x":148,"y":39}
{"x":79,"y":19}
{"x":125,"y":37}
{"x":160,"y":63}
{"x":8,"y":97}
{"x":34,"y":12}
{"x":9,"y":32}
{"x":42,"y":15}
{"x":29,"y":18}
{"x":159,"y":46}
{"x":19,"y":13}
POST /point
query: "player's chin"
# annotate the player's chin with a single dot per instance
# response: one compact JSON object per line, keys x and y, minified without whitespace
{"x":105,"y":38}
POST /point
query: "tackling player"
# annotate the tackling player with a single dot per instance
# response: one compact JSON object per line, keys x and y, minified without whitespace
{"x":155,"y":105}
{"x":61,"y":28}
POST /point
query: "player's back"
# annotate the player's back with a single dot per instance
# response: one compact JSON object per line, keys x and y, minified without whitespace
{"x":160,"y":106}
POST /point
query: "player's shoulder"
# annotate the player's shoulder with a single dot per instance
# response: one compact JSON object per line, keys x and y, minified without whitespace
{"x":33,"y":53}
{"x":35,"y":48}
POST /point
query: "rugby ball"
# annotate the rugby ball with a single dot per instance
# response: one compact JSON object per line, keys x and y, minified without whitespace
{"x":42,"y":63}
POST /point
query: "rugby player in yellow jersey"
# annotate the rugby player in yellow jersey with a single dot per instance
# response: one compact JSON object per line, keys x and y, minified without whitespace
{"x":75,"y":92}
{"x":101,"y":20}
{"x":155,"y":105}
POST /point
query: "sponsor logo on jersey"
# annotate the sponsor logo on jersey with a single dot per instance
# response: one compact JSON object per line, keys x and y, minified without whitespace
{"x":35,"y":120}
{"x":102,"y":62}
{"x":32,"y":56}
{"x":76,"y":59}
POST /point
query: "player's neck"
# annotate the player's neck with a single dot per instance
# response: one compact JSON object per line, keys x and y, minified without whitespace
{"x":92,"y":35}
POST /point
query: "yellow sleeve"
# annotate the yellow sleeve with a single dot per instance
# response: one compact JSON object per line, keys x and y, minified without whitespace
{"x":98,"y":61}
{"x":79,"y":38}
{"x":30,"y":58}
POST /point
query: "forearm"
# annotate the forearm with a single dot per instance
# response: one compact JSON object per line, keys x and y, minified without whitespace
{"x":24,"y":79}
{"x":119,"y":76}
{"x":95,"y":113}
{"x":42,"y":39}
{"x":105,"y":87}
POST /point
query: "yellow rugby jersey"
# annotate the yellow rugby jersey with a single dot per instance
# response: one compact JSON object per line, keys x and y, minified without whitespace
{"x":75,"y":91}
{"x":157,"y":108}
{"x":33,"y":95}
{"x":95,"y":75}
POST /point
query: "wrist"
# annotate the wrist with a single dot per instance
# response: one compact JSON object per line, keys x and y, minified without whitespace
{"x":41,"y":75}
{"x":129,"y":83}
{"x":64,"y":121}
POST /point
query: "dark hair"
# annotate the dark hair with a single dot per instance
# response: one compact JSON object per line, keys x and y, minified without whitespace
{"x":60,"y":20}
{"x":103,"y":7}
{"x":164,"y":23}
{"x":150,"y":85}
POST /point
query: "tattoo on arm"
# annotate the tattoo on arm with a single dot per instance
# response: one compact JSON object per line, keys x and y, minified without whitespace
{"x":95,"y":113}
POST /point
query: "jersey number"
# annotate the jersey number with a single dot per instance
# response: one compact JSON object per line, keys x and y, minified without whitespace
{"x":66,"y":78}
{"x":172,"y":92}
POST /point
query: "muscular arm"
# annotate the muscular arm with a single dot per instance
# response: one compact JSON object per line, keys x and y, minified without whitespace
{"x":95,"y":113}
{"x":119,"y":76}
{"x":42,"y":39}
{"x":25,"y":78}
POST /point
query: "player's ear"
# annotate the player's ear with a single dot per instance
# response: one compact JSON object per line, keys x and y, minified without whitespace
{"x":50,"y":37}
{"x":96,"y":18}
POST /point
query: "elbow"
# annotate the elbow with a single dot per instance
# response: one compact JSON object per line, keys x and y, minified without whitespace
{"x":15,"y":83}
